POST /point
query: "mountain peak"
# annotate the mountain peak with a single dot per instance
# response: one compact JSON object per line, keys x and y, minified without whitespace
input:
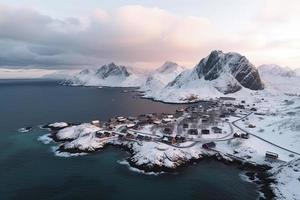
{"x":217,"y":64}
{"x":169,"y":67}
{"x":112,"y":69}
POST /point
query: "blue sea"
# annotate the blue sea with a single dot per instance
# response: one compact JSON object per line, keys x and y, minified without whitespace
{"x":30,"y":170}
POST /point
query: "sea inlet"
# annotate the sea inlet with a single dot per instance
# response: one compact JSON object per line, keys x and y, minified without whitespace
{"x":30,"y":170}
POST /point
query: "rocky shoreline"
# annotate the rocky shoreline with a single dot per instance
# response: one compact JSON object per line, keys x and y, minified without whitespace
{"x":258,"y":174}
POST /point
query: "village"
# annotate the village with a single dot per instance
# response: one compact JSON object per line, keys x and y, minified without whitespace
{"x":203,"y":124}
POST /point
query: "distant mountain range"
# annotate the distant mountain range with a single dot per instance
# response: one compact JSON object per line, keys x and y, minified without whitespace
{"x":110,"y":75}
{"x":216,"y":75}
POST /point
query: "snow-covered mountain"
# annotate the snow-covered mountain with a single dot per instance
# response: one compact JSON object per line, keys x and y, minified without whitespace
{"x":276,"y":70}
{"x":217,"y":74}
{"x":111,"y":75}
{"x":162,"y":76}
{"x":280,"y":79}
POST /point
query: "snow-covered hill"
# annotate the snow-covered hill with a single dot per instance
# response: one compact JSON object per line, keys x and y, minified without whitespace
{"x":217,"y":74}
{"x":110,"y":75}
{"x":288,"y":180}
{"x":161,"y":77}
{"x":280,"y":79}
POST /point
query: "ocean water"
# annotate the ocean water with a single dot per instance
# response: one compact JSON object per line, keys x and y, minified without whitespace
{"x":29,"y":169}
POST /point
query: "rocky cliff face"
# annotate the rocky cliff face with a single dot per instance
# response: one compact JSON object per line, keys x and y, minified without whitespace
{"x":219,"y":63}
{"x":112,"y":70}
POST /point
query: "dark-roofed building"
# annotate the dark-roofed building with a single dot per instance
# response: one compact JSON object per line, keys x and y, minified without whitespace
{"x":205,"y":131}
{"x":216,"y":129}
{"x":209,"y":145}
{"x":193,"y":131}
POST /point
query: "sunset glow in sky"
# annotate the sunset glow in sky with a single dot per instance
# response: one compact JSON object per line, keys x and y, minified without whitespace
{"x":73,"y":34}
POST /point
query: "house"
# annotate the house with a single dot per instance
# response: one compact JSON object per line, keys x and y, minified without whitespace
{"x":216,"y":129}
{"x":179,"y":139}
{"x":140,"y":137}
{"x":167,"y":130}
{"x":271,"y":155}
{"x":121,"y":136}
{"x":106,"y":133}
{"x":129,"y":136}
{"x":245,"y":135}
{"x":170,"y":116}
{"x":130,"y":125}
{"x":157,"y":122}
{"x":99,"y":134}
{"x":185,"y":125}
{"x":240,"y":106}
{"x":243,"y":101}
{"x":222,"y":115}
{"x":204,"y":131}
{"x":204,"y":121}
{"x":121,"y":119}
{"x":251,"y":126}
{"x":193,"y":131}
{"x":253,"y":109}
{"x":131,"y":118}
{"x":147,"y":138}
{"x":236,"y":135}
{"x":181,"y":110}
{"x":168,"y":139}
{"x":166,"y":120}
{"x":209,"y":145}
{"x":96,"y":123}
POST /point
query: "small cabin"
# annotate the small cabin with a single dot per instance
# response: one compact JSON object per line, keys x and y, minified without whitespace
{"x":140,"y":137}
{"x":170,"y":116}
{"x":193,"y":131}
{"x":121,"y":136}
{"x":245,"y":135}
{"x":222,"y":115}
{"x":204,"y":121}
{"x":99,"y":134}
{"x":166,"y":120}
{"x":271,"y":155}
{"x":157,"y":122}
{"x":147,"y":138}
{"x":180,"y":110}
{"x":131,"y":118}
{"x":216,"y":129}
{"x":107,"y":134}
{"x":236,"y":135}
{"x":204,"y":131}
{"x":251,"y":126}
{"x":240,"y":106}
{"x":209,"y":145}
{"x":129,"y":136}
{"x":168,"y":139}
{"x":185,"y":125}
{"x":130,"y":125}
{"x":167,"y":130}
{"x":253,"y":109}
{"x":121,"y":119}
{"x":96,"y":123}
{"x":180,"y":139}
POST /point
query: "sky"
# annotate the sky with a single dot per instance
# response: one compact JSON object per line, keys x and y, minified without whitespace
{"x":73,"y":34}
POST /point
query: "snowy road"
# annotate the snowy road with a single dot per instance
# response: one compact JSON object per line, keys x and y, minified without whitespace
{"x":280,"y":147}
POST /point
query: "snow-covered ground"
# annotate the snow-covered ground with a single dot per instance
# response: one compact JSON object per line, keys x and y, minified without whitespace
{"x":288,"y":180}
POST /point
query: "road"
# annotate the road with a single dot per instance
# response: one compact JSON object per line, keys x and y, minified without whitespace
{"x":273,"y":144}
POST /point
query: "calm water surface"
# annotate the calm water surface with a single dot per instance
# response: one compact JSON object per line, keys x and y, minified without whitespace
{"x":29,"y":170}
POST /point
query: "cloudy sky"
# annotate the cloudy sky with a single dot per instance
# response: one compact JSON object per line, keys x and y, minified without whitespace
{"x":72,"y":34}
